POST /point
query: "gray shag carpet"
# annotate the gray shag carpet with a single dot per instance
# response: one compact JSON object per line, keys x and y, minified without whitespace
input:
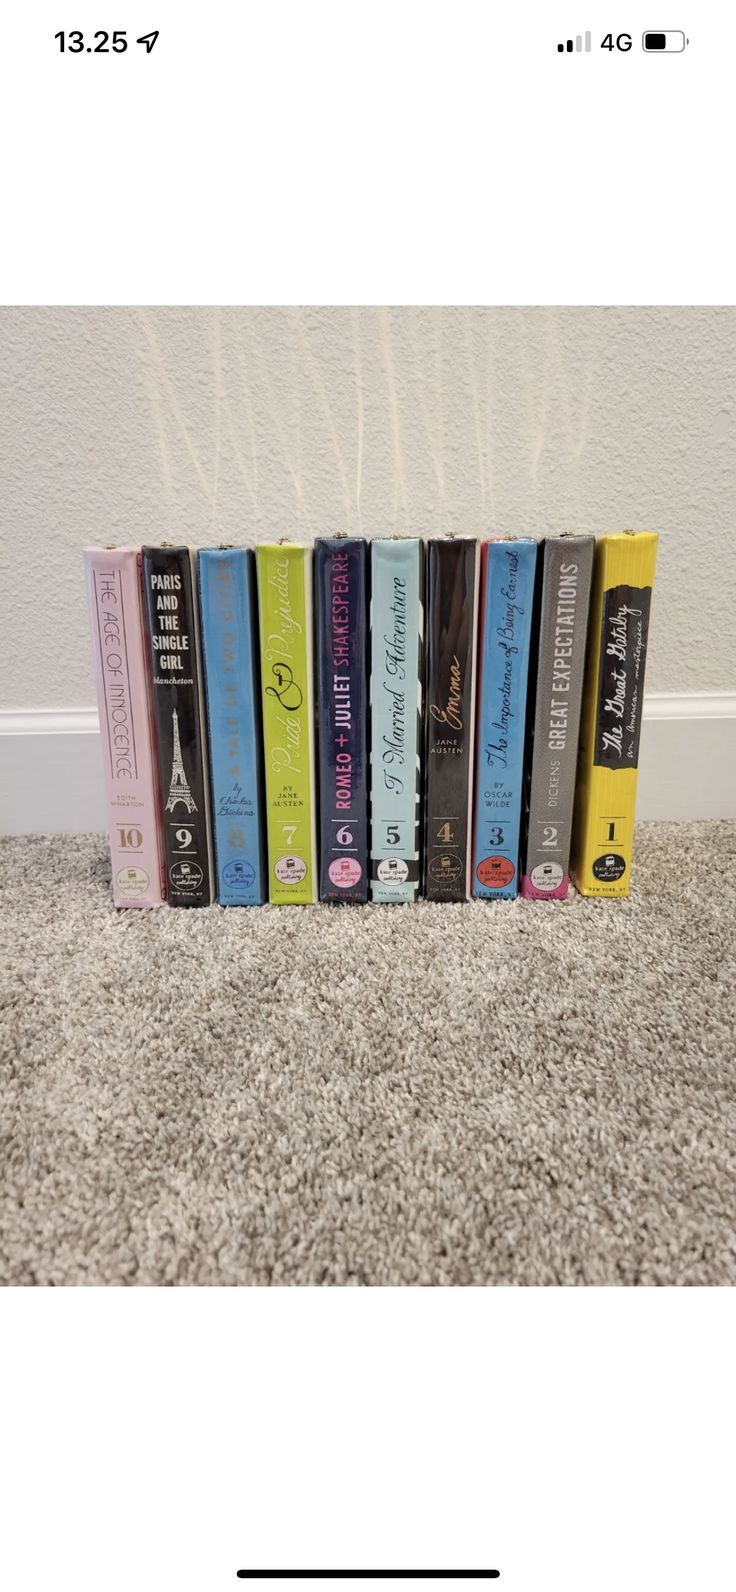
{"x":491,"y":1093}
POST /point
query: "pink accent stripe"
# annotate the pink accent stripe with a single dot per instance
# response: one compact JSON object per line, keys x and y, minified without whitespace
{"x":531,"y":893}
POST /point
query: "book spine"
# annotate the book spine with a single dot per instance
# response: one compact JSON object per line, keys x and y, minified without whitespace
{"x":397,"y":669}
{"x":507,"y":598}
{"x":178,"y":706}
{"x":116,"y":623}
{"x":287,"y":697}
{"x":612,"y":713}
{"x":340,"y":581}
{"x":227,"y":593}
{"x":562,"y":617}
{"x":452,"y":600}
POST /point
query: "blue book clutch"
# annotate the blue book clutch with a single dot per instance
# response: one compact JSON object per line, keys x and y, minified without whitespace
{"x":507,"y":592}
{"x":227,"y":592}
{"x":397,"y":670}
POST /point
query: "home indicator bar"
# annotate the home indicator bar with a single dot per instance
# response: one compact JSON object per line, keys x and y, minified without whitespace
{"x":368,"y":1575}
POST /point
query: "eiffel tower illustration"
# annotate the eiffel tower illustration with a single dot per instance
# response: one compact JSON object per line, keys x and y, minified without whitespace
{"x":178,"y":789}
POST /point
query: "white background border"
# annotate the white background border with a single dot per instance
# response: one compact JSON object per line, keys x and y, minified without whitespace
{"x":577,"y":1440}
{"x":404,"y":153}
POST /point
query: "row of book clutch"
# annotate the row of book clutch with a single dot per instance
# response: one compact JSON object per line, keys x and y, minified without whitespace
{"x":347,"y":720}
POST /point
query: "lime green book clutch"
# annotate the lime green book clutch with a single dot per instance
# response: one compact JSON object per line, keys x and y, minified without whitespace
{"x":287,"y":690}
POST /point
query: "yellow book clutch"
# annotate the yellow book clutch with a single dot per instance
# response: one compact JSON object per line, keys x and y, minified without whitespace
{"x":610,"y":726}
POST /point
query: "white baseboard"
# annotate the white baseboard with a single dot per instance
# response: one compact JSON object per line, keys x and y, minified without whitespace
{"x":51,"y":772}
{"x":51,"y":766}
{"x":687,"y":761}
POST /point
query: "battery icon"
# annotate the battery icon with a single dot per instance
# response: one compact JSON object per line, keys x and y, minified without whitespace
{"x":672,"y":41}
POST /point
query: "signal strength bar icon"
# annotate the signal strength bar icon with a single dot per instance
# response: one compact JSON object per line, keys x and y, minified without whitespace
{"x":569,"y":46}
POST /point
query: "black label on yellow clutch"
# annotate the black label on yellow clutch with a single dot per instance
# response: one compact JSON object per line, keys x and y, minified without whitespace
{"x":621,"y":680}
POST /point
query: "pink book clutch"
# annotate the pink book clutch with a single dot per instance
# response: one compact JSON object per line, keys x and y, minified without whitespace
{"x":113,"y":592}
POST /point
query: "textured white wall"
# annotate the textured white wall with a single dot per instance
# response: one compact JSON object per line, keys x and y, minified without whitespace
{"x":210,"y":425}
